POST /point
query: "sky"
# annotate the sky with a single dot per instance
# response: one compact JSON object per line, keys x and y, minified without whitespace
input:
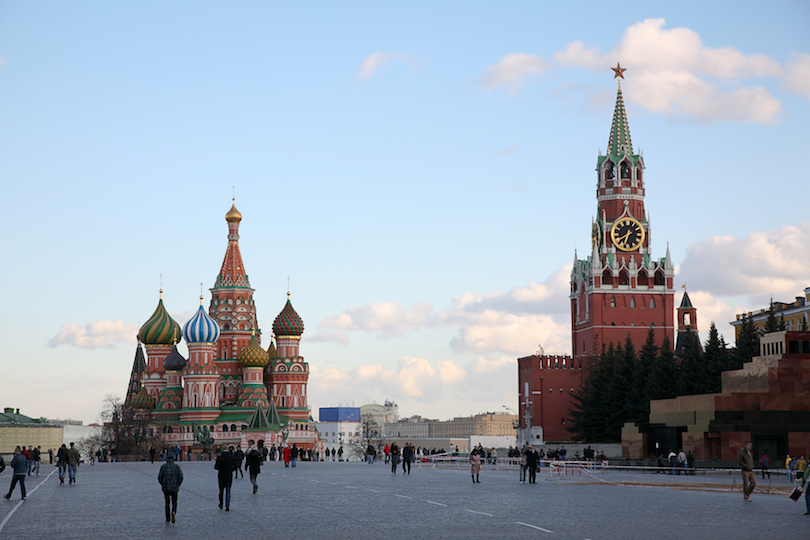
{"x":421,"y":171}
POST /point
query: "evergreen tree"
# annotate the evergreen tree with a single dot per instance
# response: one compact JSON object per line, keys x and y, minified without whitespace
{"x":640,"y":403}
{"x":771,"y":324}
{"x":803,"y":327}
{"x":590,"y":413}
{"x":715,"y":361}
{"x":747,"y":344}
{"x":621,"y":388}
{"x":663,"y":380}
{"x":691,"y":368}
{"x":781,"y":325}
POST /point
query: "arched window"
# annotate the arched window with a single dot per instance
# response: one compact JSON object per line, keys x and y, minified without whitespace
{"x":632,"y":302}
{"x":612,"y":301}
{"x":225,"y":427}
{"x":609,"y":174}
{"x":652,"y":303}
{"x":624,"y":277}
{"x":607,"y":277}
{"x":233,"y":427}
{"x":625,"y":170}
{"x":659,"y":277}
{"x":687,"y":319}
{"x":643,"y":280}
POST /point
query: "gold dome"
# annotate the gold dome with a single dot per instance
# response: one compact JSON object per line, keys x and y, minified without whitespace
{"x":233,"y":215}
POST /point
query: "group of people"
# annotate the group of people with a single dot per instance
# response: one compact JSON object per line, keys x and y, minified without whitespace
{"x":796,"y":467}
{"x":529,"y":461}
{"x":406,"y":456}
{"x":26,"y":462}
{"x":677,"y":462}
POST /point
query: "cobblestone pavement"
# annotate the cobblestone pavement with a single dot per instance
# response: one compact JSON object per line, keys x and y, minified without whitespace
{"x":359,"y":501}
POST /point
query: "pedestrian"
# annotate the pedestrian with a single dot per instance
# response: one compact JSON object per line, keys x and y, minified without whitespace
{"x":37,"y":459}
{"x":370,"y":454}
{"x":238,"y":457}
{"x":224,"y":465}
{"x":672,"y":458}
{"x":177,"y":453}
{"x":524,"y":461}
{"x":690,"y":462}
{"x":806,"y":492}
{"x":152,"y":454}
{"x":333,"y":453}
{"x":2,"y":464}
{"x":286,"y":453}
{"x":29,"y":454}
{"x":253,"y":462}
{"x":787,"y":467}
{"x":407,"y":457}
{"x":765,"y":463}
{"x":73,"y":463}
{"x":98,"y":455}
{"x":394,"y":457}
{"x":681,"y":460}
{"x":532,"y":460}
{"x":387,"y":451}
{"x":62,"y":462}
{"x":19,"y":466}
{"x":746,"y":461}
{"x":340,"y":454}
{"x":475,"y":466}
{"x":293,"y":455}
{"x":170,"y":478}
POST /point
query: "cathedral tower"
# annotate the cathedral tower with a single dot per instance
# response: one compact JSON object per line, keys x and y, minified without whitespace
{"x":159,"y":335}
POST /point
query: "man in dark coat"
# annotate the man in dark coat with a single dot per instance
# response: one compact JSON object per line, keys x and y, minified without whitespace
{"x":294,"y":455}
{"x":19,"y":467}
{"x":225,"y":465}
{"x":407,"y":457}
{"x":253,"y":462}
{"x":394,"y":457}
{"x":170,"y":478}
{"x":238,"y":457}
{"x":61,"y":462}
{"x":532,"y":459}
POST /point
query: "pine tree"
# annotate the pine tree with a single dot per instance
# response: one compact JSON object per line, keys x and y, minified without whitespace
{"x":715,"y":361}
{"x":747,"y":344}
{"x":621,"y":388}
{"x":691,"y":368}
{"x":781,"y":325}
{"x":640,"y":403}
{"x":771,"y":324}
{"x":803,"y":327}
{"x":663,"y":380}
{"x":591,"y":410}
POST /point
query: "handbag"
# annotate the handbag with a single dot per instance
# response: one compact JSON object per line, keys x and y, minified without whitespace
{"x":796,"y":493}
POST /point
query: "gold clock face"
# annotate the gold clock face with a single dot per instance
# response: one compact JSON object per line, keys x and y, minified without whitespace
{"x":627,"y":234}
{"x":596,"y":234}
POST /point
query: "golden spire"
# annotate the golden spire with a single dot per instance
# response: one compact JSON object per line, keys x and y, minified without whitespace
{"x":233,"y":215}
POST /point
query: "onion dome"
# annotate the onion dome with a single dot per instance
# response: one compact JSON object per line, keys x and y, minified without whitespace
{"x":201,"y":328}
{"x":174,"y":361}
{"x":252,"y":355}
{"x":160,"y":329}
{"x":288,"y":323}
{"x":233,"y":215}
{"x":143,"y":400}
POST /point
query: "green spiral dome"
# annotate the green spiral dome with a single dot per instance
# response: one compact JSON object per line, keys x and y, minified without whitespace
{"x":143,"y":400}
{"x":160,"y":329}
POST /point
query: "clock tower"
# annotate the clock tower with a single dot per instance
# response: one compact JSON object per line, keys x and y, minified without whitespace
{"x":620,"y":288}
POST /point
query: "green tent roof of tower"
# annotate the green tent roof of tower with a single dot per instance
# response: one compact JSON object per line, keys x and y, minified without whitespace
{"x":620,"y":145}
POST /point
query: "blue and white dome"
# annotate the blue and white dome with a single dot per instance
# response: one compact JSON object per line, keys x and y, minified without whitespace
{"x":201,"y":328}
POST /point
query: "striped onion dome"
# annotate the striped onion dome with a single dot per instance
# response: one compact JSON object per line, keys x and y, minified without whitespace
{"x":143,"y":400}
{"x":288,"y":323}
{"x":201,"y":328}
{"x":174,"y":361}
{"x":160,"y":329}
{"x":252,"y":354}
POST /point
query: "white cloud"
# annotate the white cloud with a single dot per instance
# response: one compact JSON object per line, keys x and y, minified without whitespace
{"x":101,"y":334}
{"x":674,"y":73}
{"x":329,"y":336}
{"x":512,"y":71}
{"x":797,"y":74}
{"x":386,"y":318}
{"x":763,"y":264}
{"x":372,"y":62}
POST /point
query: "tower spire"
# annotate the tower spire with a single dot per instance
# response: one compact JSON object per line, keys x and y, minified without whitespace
{"x":619,"y":142}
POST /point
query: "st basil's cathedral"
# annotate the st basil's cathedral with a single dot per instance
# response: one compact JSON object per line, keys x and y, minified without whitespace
{"x":229,"y":385}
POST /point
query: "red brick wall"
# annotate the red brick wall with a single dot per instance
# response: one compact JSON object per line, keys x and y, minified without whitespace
{"x":549,"y":408}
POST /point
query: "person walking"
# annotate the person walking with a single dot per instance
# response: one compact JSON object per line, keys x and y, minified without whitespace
{"x":746,"y":462}
{"x":394,"y":458}
{"x":787,"y":467}
{"x":333,"y":454}
{"x":387,"y":451}
{"x":253,"y":463}
{"x":475,"y":466}
{"x":765,"y":463}
{"x":224,"y":465}
{"x":286,"y":453}
{"x":170,"y":477}
{"x":690,"y":463}
{"x":37,"y":457}
{"x":152,"y":454}
{"x":293,"y":455}
{"x":19,"y":466}
{"x":532,"y":459}
{"x":370,"y":451}
{"x":524,"y":460}
{"x":73,"y":463}
{"x":672,"y":459}
{"x":238,"y":457}
{"x":407,"y":457}
{"x":61,"y":462}
{"x":806,"y":492}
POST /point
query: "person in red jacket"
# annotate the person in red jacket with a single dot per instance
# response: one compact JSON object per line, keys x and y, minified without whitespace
{"x":387,"y":451}
{"x":286,"y":453}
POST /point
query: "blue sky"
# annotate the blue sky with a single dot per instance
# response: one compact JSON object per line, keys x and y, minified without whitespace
{"x":422,"y":173}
